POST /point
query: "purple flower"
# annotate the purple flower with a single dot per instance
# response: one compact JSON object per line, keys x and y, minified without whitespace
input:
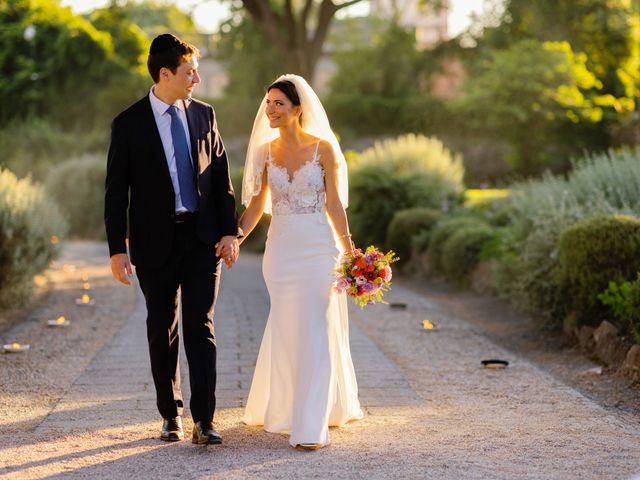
{"x":370,"y":288}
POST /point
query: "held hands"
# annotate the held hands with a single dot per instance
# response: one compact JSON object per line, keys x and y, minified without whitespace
{"x":228,"y":249}
{"x":121,"y":268}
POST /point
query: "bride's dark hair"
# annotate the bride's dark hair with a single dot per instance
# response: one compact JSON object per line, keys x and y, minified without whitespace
{"x":289,"y":90}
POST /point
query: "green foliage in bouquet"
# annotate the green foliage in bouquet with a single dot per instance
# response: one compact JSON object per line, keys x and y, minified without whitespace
{"x":77,"y":185}
{"x":28,"y":221}
{"x":405,"y":225}
{"x":410,"y":171}
{"x":591,"y":253}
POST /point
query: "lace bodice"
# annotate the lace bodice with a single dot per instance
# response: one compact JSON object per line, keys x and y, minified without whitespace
{"x":304,"y":192}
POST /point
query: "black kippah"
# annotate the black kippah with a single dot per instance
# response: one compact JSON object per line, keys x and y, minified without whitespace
{"x":164,"y":42}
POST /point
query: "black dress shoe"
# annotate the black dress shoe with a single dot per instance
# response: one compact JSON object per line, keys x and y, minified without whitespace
{"x":204,"y":434}
{"x":172,"y":430}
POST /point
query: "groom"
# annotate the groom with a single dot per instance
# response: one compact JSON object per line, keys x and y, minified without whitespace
{"x":168,"y":179}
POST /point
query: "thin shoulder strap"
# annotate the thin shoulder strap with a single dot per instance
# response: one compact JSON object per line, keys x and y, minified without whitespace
{"x":315,"y":154}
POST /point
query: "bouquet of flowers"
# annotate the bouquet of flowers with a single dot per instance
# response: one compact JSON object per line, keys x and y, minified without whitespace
{"x":365,"y":276}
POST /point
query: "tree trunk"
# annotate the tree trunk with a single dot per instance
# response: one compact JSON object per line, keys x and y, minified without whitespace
{"x":289,"y":31}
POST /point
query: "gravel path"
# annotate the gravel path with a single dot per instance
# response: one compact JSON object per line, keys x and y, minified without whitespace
{"x":432,"y":411}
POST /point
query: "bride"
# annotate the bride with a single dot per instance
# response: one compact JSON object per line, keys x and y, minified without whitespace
{"x":304,"y":380}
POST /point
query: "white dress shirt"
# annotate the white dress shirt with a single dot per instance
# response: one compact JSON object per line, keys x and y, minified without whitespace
{"x":163,"y":121}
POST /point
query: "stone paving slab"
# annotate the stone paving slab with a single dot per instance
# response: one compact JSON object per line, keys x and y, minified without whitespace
{"x":431,"y":411}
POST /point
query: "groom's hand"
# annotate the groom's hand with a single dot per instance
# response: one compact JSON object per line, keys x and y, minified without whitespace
{"x":121,"y":268}
{"x":228,"y":249}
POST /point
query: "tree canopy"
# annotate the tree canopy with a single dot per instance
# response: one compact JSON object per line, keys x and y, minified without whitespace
{"x":57,"y":64}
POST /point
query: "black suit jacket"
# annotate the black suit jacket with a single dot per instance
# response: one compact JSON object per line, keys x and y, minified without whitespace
{"x":138,"y":183}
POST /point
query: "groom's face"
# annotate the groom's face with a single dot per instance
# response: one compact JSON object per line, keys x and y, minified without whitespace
{"x":185,"y":79}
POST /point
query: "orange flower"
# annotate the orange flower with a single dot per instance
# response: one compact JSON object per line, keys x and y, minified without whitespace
{"x":361,"y":263}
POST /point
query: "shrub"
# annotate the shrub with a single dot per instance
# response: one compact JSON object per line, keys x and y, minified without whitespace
{"x":410,"y":171}
{"x":78,"y":187}
{"x":405,"y":225}
{"x":634,"y":309}
{"x":31,"y":146}
{"x":368,"y":114}
{"x":537,"y":211}
{"x":490,"y":203}
{"x":591,"y":253}
{"x":420,"y":241}
{"x":461,"y":251}
{"x":442,"y":232}
{"x":28,"y":223}
{"x":618,"y":298}
{"x":624,"y":301}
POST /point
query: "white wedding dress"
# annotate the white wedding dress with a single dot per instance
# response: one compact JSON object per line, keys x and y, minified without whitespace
{"x":304,"y":379}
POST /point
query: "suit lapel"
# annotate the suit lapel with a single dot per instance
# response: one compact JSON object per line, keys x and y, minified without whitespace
{"x":192,"y":123}
{"x":156,"y":141}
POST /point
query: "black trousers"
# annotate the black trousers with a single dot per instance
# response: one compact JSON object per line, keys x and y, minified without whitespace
{"x":193,"y":270}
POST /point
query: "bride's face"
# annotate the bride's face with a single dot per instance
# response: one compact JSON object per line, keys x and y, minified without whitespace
{"x":280,"y":111}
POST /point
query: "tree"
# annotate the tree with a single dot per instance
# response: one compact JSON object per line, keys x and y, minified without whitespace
{"x":52,"y":62}
{"x":296,"y":29}
{"x":538,"y":97}
{"x":379,"y":87}
{"x":155,"y":17}
{"x":607,"y":31}
{"x":130,"y":42}
{"x":242,"y":46}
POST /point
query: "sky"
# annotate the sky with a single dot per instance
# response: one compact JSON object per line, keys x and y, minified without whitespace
{"x":208,"y":14}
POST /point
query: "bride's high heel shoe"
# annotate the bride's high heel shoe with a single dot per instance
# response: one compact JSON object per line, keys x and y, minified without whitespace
{"x":309,"y":446}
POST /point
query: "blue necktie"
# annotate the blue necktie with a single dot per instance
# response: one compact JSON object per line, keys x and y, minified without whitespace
{"x":186,"y":178}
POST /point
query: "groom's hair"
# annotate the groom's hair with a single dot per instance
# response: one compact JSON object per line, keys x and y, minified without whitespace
{"x":168,"y":51}
{"x":289,"y":89}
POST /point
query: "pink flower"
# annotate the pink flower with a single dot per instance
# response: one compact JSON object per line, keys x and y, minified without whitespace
{"x":385,"y":273}
{"x":342,"y":284}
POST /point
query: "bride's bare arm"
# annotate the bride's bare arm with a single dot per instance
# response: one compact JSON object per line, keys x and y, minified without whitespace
{"x":335,"y":210}
{"x":251,"y":216}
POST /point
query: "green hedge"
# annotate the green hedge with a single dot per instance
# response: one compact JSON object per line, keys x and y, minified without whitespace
{"x":592,"y":252}
{"x":405,"y":225}
{"x":461,"y":252}
{"x":78,"y":187}
{"x":410,"y":171}
{"x":443,"y":231}
{"x":28,"y":222}
{"x":369,"y":114}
